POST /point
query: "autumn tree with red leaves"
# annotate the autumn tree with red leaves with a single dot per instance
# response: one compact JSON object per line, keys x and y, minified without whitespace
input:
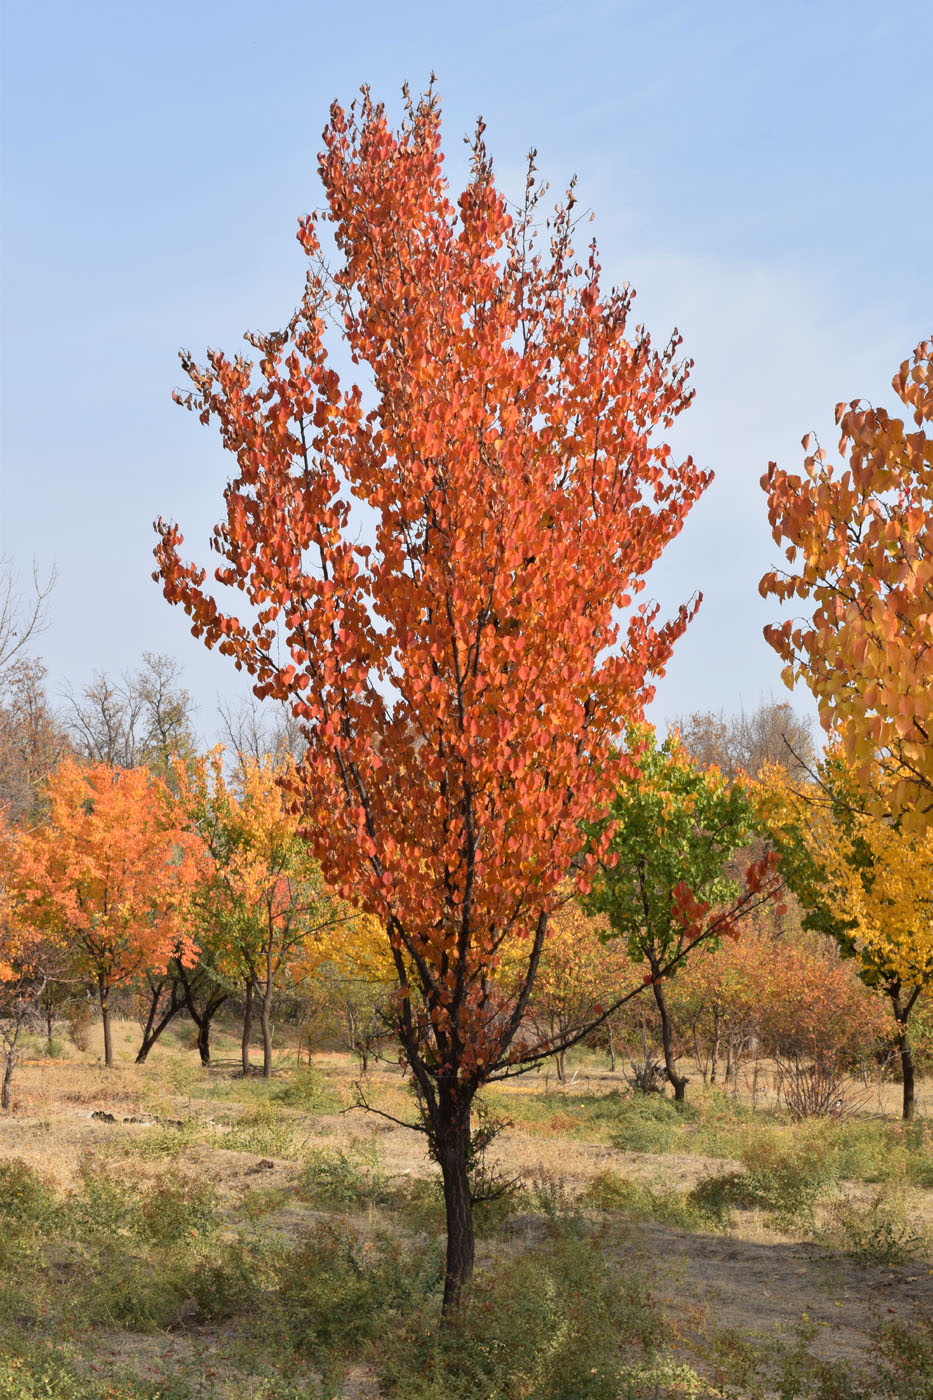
{"x":461,"y":679}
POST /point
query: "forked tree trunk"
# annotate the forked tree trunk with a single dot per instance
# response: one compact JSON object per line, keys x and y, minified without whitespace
{"x":104,"y":993}
{"x":155,"y":1028}
{"x":247,"y":1026}
{"x":679,"y":1081}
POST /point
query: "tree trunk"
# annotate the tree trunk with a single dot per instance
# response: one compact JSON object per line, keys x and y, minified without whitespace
{"x":452,"y":1150}
{"x":612,"y":1051}
{"x":204,"y":1039}
{"x":247,"y":1025}
{"x":265,"y":1021}
{"x":104,"y":993}
{"x":714,"y":1050}
{"x":6,"y":1096}
{"x":560,"y":1061}
{"x":679,"y":1081}
{"x":907,"y":1074}
{"x":901,"y":1014}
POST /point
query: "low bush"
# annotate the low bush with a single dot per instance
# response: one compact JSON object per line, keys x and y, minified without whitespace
{"x":560,"y":1323}
{"x":667,"y":1206}
{"x":878,"y":1231}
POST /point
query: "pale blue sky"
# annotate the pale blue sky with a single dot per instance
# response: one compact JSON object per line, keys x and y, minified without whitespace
{"x":760,"y":172}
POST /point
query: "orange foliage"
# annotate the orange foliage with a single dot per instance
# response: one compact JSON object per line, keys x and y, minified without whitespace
{"x":861,"y":542}
{"x":461,"y":682}
{"x":106,"y":875}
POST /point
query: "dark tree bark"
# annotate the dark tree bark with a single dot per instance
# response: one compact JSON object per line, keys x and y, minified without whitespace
{"x":6,"y":1095}
{"x":679,"y":1081}
{"x":902,"y":1010}
{"x":265,"y":1022}
{"x":104,"y":994}
{"x":452,"y":1149}
{"x":204,"y":1040}
{"x":199,"y":985}
{"x":154,"y":1026}
{"x":247,"y":1026}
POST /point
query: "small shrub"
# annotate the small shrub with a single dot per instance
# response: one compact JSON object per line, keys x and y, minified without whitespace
{"x":263,"y":1130}
{"x":902,"y":1357}
{"x":637,"y":1199}
{"x":53,"y":1049}
{"x":307,"y":1088}
{"x":876,"y":1232}
{"x":553,"y":1324}
{"x":547,"y":1193}
{"x":647,"y":1123}
{"x":25,"y":1198}
{"x":222,"y":1288}
{"x":175,"y":1211}
{"x":343,"y":1179}
{"x":786,"y":1173}
{"x":100,"y":1206}
{"x":79,"y":1019}
{"x":342,"y":1291}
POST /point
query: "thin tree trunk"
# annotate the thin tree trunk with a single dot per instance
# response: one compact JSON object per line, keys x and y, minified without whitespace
{"x":901,"y":1014}
{"x":104,"y":992}
{"x":612,"y":1051}
{"x":714,"y":1050}
{"x":679,"y":1081}
{"x":6,"y":1096}
{"x":247,"y":1025}
{"x":265,"y":1021}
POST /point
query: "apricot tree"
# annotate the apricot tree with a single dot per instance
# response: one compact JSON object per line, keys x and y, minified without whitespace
{"x":461,"y":672}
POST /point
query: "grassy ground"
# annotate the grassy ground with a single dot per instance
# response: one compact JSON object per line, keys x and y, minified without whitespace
{"x":232,"y":1239}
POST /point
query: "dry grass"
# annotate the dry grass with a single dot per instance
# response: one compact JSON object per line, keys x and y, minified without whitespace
{"x":289,"y":1158}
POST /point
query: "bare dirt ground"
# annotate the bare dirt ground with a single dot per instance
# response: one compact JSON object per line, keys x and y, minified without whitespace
{"x":752,"y":1280}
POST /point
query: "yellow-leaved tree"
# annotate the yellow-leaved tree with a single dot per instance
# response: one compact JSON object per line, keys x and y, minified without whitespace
{"x":864,"y":878}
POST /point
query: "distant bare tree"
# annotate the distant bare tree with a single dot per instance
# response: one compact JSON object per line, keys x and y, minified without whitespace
{"x":137,"y":720}
{"x":22,"y":615}
{"x":772,"y":733}
{"x":32,"y":738}
{"x":255,"y":729}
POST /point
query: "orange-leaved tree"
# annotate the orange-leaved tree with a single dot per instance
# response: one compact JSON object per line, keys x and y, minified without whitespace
{"x":106,"y":876}
{"x":460,"y":679}
{"x":861,"y":545}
